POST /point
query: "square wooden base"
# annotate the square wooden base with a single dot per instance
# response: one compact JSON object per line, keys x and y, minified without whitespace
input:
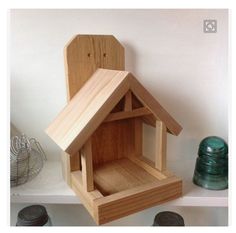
{"x":123,"y":187}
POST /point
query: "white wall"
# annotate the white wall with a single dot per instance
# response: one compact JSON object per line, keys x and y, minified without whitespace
{"x":184,"y":68}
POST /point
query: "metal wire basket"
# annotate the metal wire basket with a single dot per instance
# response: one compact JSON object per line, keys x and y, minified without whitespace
{"x":27,"y":159}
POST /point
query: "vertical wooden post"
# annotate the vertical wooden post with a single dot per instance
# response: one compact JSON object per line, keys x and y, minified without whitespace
{"x":87,"y":166}
{"x":70,"y":163}
{"x":75,"y":162}
{"x":138,"y":137}
{"x":161,"y":134}
{"x":128,"y":102}
{"x":66,"y":168}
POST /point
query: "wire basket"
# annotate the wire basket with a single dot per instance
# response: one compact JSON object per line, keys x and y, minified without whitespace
{"x":27,"y":159}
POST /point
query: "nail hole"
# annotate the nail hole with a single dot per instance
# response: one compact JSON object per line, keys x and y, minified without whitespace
{"x":104,"y":54}
{"x":89,"y":54}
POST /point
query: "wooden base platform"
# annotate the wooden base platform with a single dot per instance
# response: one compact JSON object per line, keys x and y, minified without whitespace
{"x":120,"y":175}
{"x":125,"y":186}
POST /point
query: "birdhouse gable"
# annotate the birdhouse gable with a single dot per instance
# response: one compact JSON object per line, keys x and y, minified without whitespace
{"x":109,"y":95}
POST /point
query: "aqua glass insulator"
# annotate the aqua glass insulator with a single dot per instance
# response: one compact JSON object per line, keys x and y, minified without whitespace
{"x":211,"y":169}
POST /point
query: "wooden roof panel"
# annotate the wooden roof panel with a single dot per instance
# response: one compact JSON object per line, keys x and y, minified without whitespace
{"x":95,"y":100}
{"x":88,"y":108}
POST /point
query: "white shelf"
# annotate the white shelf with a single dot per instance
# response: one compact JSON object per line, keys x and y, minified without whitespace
{"x":194,"y":195}
{"x":49,"y":187}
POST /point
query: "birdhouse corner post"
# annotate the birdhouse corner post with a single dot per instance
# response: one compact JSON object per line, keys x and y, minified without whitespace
{"x":87,"y":166}
{"x":161,"y":146}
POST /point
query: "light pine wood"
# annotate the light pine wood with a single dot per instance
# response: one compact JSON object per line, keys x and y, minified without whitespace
{"x":101,"y":132}
{"x":166,"y":173}
{"x":127,"y":114}
{"x":83,"y":118}
{"x":87,"y":166}
{"x":119,"y":175}
{"x":107,"y":208}
{"x":154,"y":106}
{"x":151,"y":170}
{"x":85,"y":53}
{"x":66,"y":170}
{"x":86,"y":111}
{"x":128,"y":101}
{"x":75,"y":161}
{"x":89,"y":107}
{"x":150,"y":120}
{"x":82,"y":56}
{"x":138,"y":136}
{"x":113,"y":140}
{"x":138,"y":198}
{"x":161,"y":135}
{"x":87,"y":198}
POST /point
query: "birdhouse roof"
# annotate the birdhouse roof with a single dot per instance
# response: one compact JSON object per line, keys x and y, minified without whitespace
{"x":91,"y":105}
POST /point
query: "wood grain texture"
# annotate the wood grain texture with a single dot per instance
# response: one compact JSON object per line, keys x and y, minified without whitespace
{"x":142,"y":164}
{"x":86,"y":111}
{"x":128,"y":101}
{"x":130,"y":201}
{"x":87,"y":198}
{"x":138,"y":136}
{"x":87,"y":166}
{"x":166,"y":173}
{"x":154,"y":106}
{"x":85,"y":53}
{"x":82,"y":56}
{"x":160,"y":155}
{"x":150,"y":120}
{"x":115,"y":179}
{"x":127,"y":114}
{"x":113,"y":140}
{"x":66,"y":168}
{"x":75,"y":161}
{"x":119,"y":175}
{"x":89,"y":107}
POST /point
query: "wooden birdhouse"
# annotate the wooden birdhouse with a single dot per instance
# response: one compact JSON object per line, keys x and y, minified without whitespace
{"x":101,"y":132}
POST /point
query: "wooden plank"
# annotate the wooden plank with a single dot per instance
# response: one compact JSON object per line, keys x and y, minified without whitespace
{"x":87,"y":166}
{"x":119,"y":175}
{"x":129,"y":114}
{"x":128,"y":101}
{"x":104,"y":52}
{"x":85,"y":53}
{"x":150,"y":120}
{"x":147,"y":167}
{"x":66,"y":169}
{"x":130,"y":201}
{"x":166,"y":173}
{"x":161,"y":134}
{"x":75,"y":161}
{"x":154,"y":106}
{"x":112,"y":141}
{"x":138,"y":136}
{"x":86,"y":198}
{"x":86,"y":111}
